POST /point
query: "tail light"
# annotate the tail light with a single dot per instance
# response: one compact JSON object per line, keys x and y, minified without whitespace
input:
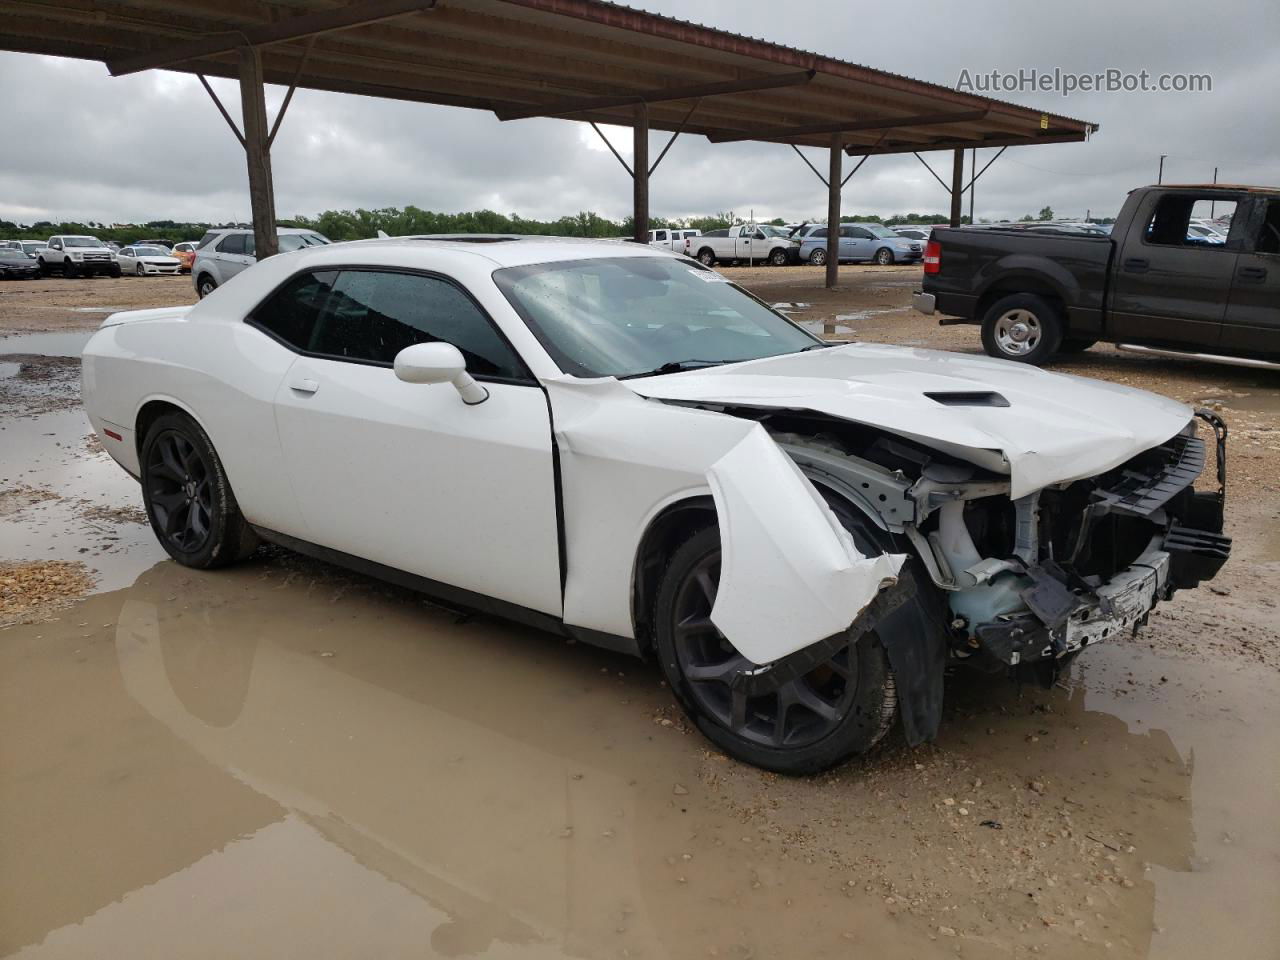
{"x":932,"y":257}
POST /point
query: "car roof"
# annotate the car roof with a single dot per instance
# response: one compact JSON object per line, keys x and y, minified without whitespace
{"x":502,"y":250}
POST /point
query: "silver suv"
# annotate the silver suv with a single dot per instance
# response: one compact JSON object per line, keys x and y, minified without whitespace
{"x":221,"y":254}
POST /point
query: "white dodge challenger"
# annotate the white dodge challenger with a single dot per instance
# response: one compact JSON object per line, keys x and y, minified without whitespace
{"x":620,"y":445}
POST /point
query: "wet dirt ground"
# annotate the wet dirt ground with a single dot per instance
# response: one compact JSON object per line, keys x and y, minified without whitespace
{"x":283,"y":759}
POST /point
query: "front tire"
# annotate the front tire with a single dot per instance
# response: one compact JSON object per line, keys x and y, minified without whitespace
{"x":884,"y":257}
{"x":114,"y":270}
{"x":139,"y":270}
{"x":1022,"y":327}
{"x":838,"y":710}
{"x":778,"y":257}
{"x":69,"y":269}
{"x":189,"y":500}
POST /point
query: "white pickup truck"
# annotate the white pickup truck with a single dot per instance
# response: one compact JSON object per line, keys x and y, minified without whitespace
{"x":672,"y":238}
{"x":749,"y":241}
{"x":75,"y":255}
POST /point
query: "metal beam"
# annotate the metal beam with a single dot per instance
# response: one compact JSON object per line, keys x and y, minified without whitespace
{"x":810,"y":165}
{"x":833,"y":212}
{"x":931,"y":170}
{"x":985,"y":165}
{"x":566,"y":108}
{"x":957,"y":188}
{"x":262,"y":199}
{"x":612,"y":149}
{"x":288,"y":97}
{"x":963,"y":144}
{"x":354,"y":14}
{"x":854,"y":126}
{"x":640,"y":176}
{"x":221,"y":109}
{"x":679,"y":130}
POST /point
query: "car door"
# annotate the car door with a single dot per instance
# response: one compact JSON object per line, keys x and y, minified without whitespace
{"x":233,"y":254}
{"x":1167,"y":289}
{"x":124,"y":257}
{"x":407,"y":475}
{"x":856,"y":243}
{"x":1252,"y":323}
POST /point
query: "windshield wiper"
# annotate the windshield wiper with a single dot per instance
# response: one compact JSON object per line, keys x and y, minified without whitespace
{"x":676,"y":366}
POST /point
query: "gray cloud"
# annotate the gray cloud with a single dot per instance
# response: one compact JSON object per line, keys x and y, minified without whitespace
{"x":81,"y":144}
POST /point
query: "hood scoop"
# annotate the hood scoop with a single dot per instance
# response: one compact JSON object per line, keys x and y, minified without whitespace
{"x":968,"y":398}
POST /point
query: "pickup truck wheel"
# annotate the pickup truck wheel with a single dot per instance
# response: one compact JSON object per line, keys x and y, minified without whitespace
{"x":818,"y":257}
{"x":188,"y":498}
{"x":69,"y":269}
{"x":1076,"y":345}
{"x":205,"y":286}
{"x":884,"y":256}
{"x":1022,"y":327}
{"x":778,"y":257}
{"x":707,"y":257}
{"x":841,"y":708}
{"x":45,"y":269}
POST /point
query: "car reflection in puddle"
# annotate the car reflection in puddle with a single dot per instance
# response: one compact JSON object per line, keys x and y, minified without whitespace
{"x":280,"y":760}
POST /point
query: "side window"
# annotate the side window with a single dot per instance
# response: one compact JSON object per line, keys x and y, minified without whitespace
{"x":660,"y":235}
{"x":206,"y":239}
{"x":1180,"y":219}
{"x":55,"y":244}
{"x":127,"y":252}
{"x":819,"y":234}
{"x":858,"y":233}
{"x":1269,"y":233}
{"x":234,"y":243}
{"x":373,"y":315}
{"x":292,"y":311}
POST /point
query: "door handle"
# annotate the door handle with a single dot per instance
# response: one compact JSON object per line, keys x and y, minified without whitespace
{"x":304,"y":385}
{"x":1136,"y":264}
{"x":1252,"y":273}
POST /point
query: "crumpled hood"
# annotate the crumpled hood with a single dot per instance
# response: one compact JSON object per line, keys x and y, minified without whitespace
{"x":1055,"y":427}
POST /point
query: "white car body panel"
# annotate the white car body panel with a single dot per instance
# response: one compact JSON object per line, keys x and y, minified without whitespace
{"x":1057,"y":428}
{"x":409,"y":476}
{"x":129,"y":262}
{"x":790,"y":575}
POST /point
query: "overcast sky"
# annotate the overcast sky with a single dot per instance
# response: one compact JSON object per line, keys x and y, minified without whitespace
{"x":81,"y":145}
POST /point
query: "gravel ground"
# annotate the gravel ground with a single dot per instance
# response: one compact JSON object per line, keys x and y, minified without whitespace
{"x":1124,"y":813}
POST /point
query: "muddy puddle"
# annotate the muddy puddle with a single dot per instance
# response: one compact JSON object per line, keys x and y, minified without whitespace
{"x":280,"y":759}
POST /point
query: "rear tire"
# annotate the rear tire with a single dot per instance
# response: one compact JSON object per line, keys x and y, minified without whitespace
{"x":818,"y":257}
{"x":839,"y":710}
{"x":707,"y":257}
{"x":189,"y":500}
{"x":1022,"y":327}
{"x":205,"y":286}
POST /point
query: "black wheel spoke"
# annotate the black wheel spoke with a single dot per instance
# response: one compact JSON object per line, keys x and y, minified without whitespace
{"x":168,"y":501}
{"x":738,"y":711}
{"x":802,"y":696}
{"x":720,"y":672}
{"x":695,"y":623}
{"x":707,"y":585}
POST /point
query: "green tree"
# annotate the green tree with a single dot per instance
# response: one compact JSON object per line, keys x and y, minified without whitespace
{"x":1046,"y":213}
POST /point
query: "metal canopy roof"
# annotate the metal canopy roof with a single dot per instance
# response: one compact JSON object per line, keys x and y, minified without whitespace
{"x":578,"y":59}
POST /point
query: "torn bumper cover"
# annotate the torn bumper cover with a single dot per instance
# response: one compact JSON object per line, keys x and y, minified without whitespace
{"x":1067,"y":612}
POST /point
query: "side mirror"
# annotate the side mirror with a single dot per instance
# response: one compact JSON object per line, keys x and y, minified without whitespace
{"x":439,"y":363}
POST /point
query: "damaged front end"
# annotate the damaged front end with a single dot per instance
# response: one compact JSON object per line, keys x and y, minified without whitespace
{"x":1035,"y":580}
{"x":1028,"y":582}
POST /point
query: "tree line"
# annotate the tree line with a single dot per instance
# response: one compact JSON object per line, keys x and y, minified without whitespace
{"x":395,"y":221}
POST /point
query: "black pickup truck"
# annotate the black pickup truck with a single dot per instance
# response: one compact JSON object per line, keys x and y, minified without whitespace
{"x":1161,"y":283}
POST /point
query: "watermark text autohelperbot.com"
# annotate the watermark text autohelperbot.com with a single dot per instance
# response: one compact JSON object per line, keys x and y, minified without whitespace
{"x":1065,"y":83}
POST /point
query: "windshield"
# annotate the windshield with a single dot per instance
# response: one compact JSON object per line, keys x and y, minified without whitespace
{"x":771,"y":231}
{"x":31,"y":246}
{"x":80,"y":242}
{"x":150,"y":252}
{"x":628,"y":316}
{"x":297,"y":241}
{"x":876,"y":230}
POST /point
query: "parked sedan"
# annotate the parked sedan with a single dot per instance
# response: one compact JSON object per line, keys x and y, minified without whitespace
{"x":859,"y":242}
{"x":145,"y":261}
{"x":620,"y":446}
{"x":15,"y":264}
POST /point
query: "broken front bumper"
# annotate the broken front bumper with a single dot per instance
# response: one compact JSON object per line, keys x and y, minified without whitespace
{"x":1067,"y":613}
